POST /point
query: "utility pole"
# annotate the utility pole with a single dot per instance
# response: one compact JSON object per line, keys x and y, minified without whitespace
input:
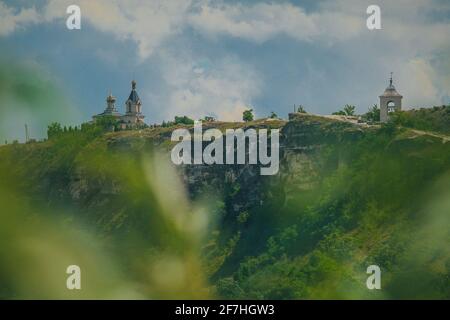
{"x":27,"y":136}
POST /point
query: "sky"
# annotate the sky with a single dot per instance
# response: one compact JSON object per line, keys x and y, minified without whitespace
{"x":215,"y":57}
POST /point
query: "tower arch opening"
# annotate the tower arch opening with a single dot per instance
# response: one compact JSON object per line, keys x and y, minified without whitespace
{"x":391,"y":106}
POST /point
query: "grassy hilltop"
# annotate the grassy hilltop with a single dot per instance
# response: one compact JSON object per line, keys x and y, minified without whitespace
{"x":346,"y":196}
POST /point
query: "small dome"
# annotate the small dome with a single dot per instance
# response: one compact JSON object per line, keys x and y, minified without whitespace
{"x":390,"y":90}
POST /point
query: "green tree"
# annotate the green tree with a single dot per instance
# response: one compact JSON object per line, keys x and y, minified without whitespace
{"x":183,"y":120}
{"x":301,"y":109}
{"x":247,"y":115}
{"x":54,"y":130}
{"x":106,"y":122}
{"x":373,"y":115}
{"x":209,"y":119}
{"x":273,"y":115}
{"x":348,"y":110}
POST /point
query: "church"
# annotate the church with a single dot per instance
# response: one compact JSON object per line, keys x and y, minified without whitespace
{"x":133,"y":116}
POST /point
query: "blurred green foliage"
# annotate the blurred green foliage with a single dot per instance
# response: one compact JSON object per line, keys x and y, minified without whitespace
{"x":30,"y":94}
{"x":122,"y":217}
{"x":109,"y":202}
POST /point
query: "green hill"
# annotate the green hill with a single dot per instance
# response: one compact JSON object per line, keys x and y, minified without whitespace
{"x":347,"y":196}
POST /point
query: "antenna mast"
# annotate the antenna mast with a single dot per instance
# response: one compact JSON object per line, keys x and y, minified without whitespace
{"x":27,"y":136}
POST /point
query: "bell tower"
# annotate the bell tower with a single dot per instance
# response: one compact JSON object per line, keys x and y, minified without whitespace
{"x":390,"y":101}
{"x":133,"y":107}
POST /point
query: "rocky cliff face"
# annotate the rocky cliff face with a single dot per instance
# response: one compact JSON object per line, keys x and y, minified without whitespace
{"x":302,"y":140}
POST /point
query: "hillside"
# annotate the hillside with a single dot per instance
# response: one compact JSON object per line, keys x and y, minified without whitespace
{"x":346,"y":196}
{"x":435,"y":119}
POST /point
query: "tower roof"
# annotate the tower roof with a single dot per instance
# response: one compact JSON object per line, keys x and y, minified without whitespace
{"x":390,"y":90}
{"x":134,"y":97}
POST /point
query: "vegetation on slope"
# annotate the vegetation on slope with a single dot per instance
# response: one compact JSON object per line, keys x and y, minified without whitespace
{"x":101,"y":200}
{"x":429,"y":119}
{"x":382,"y":198}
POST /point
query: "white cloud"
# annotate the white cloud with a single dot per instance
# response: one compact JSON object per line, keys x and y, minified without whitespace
{"x":11,"y":19}
{"x":258,"y":23}
{"x":147,"y":23}
{"x":407,"y":44}
{"x":263,"y":21}
{"x":150,"y":23}
{"x":223,"y":89}
{"x":418,"y":81}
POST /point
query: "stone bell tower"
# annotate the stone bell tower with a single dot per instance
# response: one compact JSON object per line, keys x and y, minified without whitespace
{"x":390,"y":101}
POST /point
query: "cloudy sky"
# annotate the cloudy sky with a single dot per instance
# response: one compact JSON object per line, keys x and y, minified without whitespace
{"x":208,"y":57}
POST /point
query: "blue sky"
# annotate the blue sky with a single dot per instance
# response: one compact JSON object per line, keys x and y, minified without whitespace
{"x":200,"y":57}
